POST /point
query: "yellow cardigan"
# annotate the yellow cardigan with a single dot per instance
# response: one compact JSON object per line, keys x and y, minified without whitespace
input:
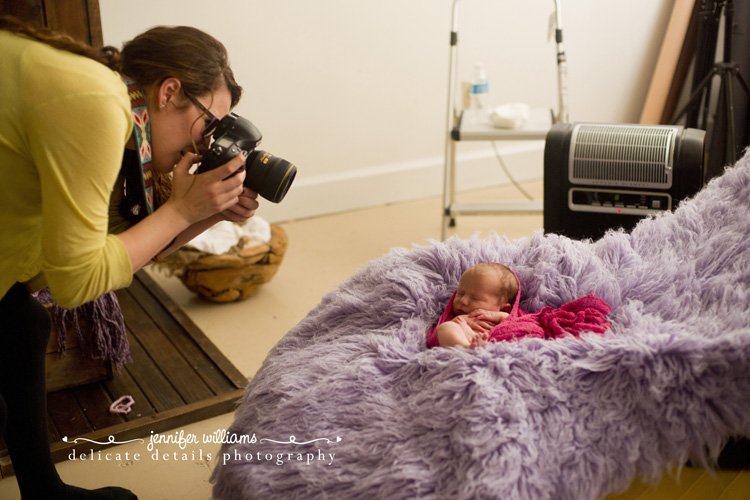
{"x":64,"y":122}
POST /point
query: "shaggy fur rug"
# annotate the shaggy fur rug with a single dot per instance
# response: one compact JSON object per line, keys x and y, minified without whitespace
{"x":351,"y":404}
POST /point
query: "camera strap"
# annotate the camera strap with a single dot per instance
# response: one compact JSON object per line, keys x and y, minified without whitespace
{"x":142,"y":133}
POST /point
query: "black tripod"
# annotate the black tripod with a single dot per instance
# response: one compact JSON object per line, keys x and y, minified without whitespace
{"x":723,"y":137}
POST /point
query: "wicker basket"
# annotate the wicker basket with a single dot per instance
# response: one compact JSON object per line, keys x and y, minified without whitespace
{"x":238,"y":273}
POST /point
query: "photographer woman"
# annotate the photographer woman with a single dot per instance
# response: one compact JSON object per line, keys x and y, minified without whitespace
{"x":69,"y":113}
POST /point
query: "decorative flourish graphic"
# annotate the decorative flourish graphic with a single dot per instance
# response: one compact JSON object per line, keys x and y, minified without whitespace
{"x":293,"y":440}
{"x":111,"y":440}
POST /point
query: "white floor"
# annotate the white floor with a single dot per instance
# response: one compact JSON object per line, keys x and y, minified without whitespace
{"x":322,"y":252}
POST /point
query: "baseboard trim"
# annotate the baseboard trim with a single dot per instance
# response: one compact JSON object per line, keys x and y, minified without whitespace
{"x":324,"y":194}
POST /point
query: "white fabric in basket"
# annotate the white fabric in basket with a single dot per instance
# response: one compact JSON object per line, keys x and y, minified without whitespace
{"x":224,"y":235}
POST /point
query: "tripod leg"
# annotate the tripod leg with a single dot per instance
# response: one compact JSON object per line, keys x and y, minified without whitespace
{"x":742,"y":81}
{"x":694,"y":98}
{"x":716,"y":140}
{"x":729,"y":101}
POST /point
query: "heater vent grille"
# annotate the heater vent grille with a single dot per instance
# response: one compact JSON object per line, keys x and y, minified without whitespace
{"x":622,"y":155}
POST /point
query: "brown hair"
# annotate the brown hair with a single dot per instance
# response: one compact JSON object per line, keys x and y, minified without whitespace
{"x":108,"y":56}
{"x":192,"y":56}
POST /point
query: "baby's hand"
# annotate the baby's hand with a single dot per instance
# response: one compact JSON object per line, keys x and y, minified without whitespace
{"x":461,"y":320}
{"x":480,"y":319}
{"x":484,"y":316}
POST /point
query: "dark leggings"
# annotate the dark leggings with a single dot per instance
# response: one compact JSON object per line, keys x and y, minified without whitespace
{"x":24,"y":334}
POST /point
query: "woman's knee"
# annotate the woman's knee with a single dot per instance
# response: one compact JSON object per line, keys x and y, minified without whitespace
{"x":23,"y":317}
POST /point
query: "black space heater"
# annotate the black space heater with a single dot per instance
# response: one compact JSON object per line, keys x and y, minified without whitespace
{"x":602,"y":176}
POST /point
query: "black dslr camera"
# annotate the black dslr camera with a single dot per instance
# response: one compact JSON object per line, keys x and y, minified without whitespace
{"x":267,"y":175}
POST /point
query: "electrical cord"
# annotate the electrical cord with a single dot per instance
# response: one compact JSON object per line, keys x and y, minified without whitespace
{"x":507,"y":172}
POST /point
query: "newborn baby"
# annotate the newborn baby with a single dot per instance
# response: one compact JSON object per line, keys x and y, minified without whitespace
{"x":483,"y":299}
{"x":486,"y":308}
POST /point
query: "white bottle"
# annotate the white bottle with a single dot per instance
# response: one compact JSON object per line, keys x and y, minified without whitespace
{"x":479,"y":89}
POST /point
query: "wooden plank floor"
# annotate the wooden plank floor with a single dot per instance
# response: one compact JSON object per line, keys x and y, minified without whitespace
{"x":177,"y":377}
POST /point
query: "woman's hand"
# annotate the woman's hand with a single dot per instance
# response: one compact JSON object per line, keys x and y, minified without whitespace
{"x":196,"y":203}
{"x":199,"y":196}
{"x":244,"y":208}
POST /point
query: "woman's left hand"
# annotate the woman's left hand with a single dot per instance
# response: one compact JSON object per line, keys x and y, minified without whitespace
{"x":244,"y":208}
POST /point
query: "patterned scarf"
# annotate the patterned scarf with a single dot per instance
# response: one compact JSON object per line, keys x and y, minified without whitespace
{"x":142,"y":133}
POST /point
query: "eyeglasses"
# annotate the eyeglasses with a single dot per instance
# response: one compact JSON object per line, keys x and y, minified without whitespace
{"x":213,"y":122}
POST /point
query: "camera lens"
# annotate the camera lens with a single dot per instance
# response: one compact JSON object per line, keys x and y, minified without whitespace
{"x":269,"y":176}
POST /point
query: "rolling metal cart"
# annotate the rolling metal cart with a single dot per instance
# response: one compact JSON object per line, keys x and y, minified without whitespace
{"x":475,"y":125}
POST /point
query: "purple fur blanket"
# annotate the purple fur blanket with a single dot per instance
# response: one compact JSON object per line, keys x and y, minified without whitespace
{"x":351,"y":403}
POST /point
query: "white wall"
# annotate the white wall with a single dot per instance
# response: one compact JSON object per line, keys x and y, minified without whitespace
{"x":354,"y":92}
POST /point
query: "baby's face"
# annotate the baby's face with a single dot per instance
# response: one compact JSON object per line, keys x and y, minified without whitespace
{"x":476,"y":292}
